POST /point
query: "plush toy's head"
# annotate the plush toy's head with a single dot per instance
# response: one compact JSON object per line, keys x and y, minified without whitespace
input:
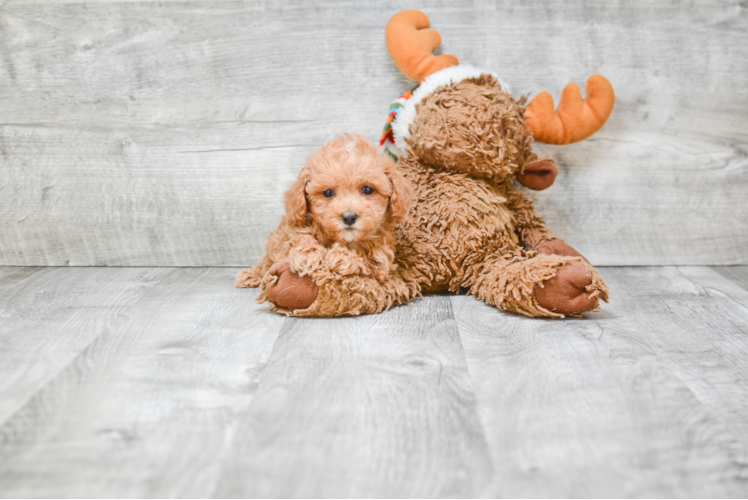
{"x":472,"y":126}
{"x":463,"y":119}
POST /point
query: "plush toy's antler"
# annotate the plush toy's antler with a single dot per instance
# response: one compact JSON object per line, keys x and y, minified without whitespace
{"x":410,"y":45}
{"x":576,"y":118}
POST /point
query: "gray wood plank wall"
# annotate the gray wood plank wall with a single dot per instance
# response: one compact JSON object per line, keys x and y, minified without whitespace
{"x":163,"y":133}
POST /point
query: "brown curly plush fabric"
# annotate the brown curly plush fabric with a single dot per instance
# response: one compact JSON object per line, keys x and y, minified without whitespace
{"x":467,"y":229}
{"x":472,"y":127}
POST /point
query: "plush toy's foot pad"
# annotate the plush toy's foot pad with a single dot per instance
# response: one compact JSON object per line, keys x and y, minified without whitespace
{"x":289,"y":290}
{"x":565,"y":293}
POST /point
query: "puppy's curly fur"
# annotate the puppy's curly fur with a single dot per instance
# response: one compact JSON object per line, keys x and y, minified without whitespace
{"x":340,"y":215}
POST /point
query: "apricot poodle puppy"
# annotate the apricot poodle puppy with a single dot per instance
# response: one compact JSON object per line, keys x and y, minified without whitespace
{"x":340,"y":218}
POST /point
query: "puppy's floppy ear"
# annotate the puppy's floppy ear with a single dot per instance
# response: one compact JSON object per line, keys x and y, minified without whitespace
{"x":295,"y":200}
{"x":402,"y":191}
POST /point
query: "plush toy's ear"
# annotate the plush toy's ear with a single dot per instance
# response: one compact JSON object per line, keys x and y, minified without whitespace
{"x":538,"y":175}
{"x":402,"y":192}
{"x":295,"y":200}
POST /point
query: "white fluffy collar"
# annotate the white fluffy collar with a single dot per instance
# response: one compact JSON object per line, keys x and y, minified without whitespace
{"x":442,"y":78}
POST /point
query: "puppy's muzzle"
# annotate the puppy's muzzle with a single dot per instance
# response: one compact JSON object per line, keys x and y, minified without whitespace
{"x":349,"y":218}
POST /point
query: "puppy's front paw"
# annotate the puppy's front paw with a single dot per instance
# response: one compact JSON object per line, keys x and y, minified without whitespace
{"x":289,"y":290}
{"x":305,"y":260}
{"x":565,"y":293}
{"x":345,"y":262}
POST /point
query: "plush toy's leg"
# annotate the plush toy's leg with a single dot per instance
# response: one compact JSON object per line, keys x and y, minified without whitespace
{"x":252,"y":276}
{"x":531,"y":229}
{"x":543,"y":285}
{"x":558,"y":247}
{"x":337,"y":295}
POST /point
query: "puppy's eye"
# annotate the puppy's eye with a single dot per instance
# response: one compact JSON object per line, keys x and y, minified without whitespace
{"x":367,"y":190}
{"x":329,"y":193}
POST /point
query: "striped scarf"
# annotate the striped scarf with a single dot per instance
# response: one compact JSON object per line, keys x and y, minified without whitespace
{"x":387,"y":139}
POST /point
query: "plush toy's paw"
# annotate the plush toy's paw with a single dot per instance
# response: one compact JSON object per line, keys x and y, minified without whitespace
{"x":558,"y":247}
{"x":565,"y":293}
{"x":289,"y":290}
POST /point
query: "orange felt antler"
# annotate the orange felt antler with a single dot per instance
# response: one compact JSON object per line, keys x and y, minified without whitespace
{"x":576,"y":118}
{"x":410,"y":45}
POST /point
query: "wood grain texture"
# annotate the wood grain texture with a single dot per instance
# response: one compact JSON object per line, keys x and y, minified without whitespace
{"x":645,"y":399}
{"x":49,"y":316}
{"x":375,"y":406}
{"x":163,"y":133}
{"x":170,"y":383}
{"x":150,"y":407}
{"x":736,"y":274}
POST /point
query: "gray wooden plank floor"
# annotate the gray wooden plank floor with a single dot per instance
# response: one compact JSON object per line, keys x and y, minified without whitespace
{"x":169,"y":382}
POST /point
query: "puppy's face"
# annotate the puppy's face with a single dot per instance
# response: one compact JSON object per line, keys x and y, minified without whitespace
{"x":349,"y":189}
{"x":349,"y":199}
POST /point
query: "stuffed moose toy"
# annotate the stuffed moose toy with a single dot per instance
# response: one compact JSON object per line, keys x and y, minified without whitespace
{"x":461,"y":140}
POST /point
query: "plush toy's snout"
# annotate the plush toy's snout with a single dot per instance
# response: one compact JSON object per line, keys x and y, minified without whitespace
{"x":538,"y":175}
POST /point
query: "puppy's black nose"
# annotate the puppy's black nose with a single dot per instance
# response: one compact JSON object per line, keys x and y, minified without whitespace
{"x":349,"y":218}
